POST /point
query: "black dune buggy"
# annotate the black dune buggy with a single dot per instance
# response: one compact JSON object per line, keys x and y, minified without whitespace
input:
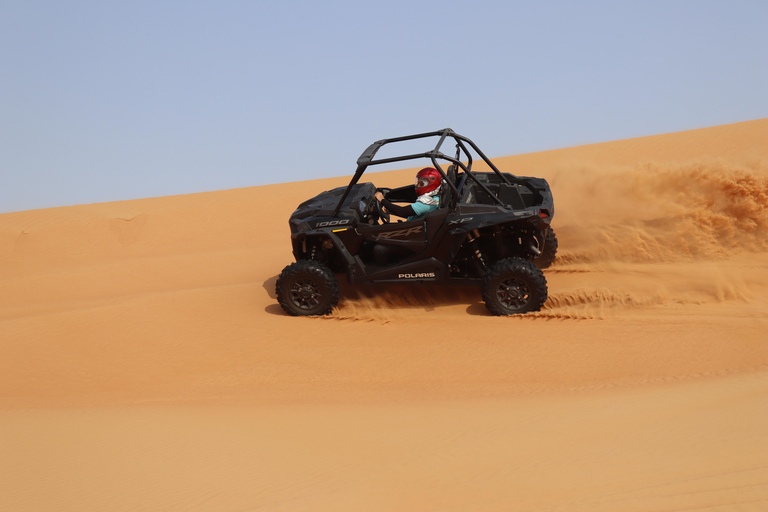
{"x":491,"y":230}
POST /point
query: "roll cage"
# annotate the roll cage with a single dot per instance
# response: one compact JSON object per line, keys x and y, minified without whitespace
{"x":455,"y":185}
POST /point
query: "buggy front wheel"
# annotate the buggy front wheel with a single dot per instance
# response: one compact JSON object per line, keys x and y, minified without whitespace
{"x":512,"y":286}
{"x":307,"y":288}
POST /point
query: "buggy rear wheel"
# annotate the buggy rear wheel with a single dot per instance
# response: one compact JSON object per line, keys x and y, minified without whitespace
{"x":307,"y":288}
{"x":549,"y":253}
{"x":513,"y":286}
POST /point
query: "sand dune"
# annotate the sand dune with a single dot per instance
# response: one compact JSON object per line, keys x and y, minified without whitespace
{"x":145,"y":364}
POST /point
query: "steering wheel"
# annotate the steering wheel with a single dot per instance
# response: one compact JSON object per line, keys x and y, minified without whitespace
{"x":380,"y":210}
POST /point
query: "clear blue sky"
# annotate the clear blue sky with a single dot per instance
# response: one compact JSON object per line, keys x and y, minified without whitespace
{"x":103,"y":101}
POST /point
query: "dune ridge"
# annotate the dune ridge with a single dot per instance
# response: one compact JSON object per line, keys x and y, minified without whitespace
{"x":145,"y":364}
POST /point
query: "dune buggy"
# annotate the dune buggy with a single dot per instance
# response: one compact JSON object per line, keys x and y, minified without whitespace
{"x":491,"y":230}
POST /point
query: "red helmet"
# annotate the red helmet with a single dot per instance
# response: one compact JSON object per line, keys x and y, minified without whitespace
{"x":427,"y":180}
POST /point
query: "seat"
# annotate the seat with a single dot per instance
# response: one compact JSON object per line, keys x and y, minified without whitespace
{"x":446,"y":193}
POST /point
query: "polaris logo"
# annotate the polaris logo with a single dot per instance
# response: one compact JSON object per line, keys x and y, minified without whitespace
{"x":421,"y":275}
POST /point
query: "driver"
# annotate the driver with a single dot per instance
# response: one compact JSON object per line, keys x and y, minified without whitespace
{"x":428,"y":183}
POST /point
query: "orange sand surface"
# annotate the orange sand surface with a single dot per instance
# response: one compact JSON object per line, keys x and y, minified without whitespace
{"x":145,"y":363}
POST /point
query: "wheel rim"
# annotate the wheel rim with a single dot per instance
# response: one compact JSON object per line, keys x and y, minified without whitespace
{"x":305,"y":294}
{"x":513,"y":294}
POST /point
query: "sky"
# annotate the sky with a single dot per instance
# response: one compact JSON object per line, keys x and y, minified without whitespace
{"x":103,"y":101}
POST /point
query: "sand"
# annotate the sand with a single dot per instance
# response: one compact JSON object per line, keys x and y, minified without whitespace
{"x":145,"y":363}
